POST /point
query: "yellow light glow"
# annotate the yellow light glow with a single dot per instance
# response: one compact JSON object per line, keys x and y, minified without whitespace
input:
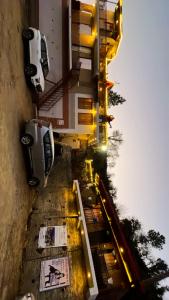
{"x":121,"y":250}
{"x":104,"y":147}
{"x":88,"y":275}
{"x":88,"y":160}
{"x":104,"y":200}
{"x":89,"y":163}
{"x":94,"y":112}
{"x":94,"y":33}
{"x":113,"y":51}
{"x":88,"y":40}
{"x":106,"y":100}
{"x":82,"y":231}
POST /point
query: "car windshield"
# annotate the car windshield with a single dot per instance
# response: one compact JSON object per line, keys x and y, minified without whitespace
{"x":48,"y":152}
{"x":44,"y":56}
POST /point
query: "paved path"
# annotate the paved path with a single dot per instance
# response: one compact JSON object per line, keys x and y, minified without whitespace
{"x":55,"y":206}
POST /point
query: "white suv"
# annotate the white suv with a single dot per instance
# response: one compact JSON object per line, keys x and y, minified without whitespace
{"x":36,"y":57}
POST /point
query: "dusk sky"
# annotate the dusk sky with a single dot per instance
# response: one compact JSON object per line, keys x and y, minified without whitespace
{"x":142,"y":70}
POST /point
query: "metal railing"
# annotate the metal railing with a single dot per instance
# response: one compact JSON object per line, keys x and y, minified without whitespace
{"x":55,"y":91}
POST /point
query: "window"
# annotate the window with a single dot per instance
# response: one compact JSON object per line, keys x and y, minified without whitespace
{"x":85,"y":119}
{"x":43,"y":49}
{"x":86,"y":63}
{"x":85,"y":103}
{"x":44,"y":58}
{"x":45,"y":69}
{"x":85,"y":29}
{"x":93,"y":216}
{"x":46,"y":138}
{"x":82,"y":49}
{"x":48,"y":152}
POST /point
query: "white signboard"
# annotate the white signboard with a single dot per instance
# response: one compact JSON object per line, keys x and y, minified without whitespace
{"x":54,"y":273}
{"x":52,"y":236}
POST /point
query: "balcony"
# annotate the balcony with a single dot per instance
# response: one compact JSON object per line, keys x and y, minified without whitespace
{"x":110,"y":26}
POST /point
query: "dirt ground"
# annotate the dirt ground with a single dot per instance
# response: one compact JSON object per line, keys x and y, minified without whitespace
{"x":15,"y":107}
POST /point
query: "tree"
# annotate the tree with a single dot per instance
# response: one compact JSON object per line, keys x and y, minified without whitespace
{"x":132,"y":228}
{"x":152,"y":270}
{"x":114,"y":98}
{"x":158,"y":266}
{"x":113,"y":192}
{"x":156,"y":239}
{"x":113,"y":147}
{"x":143,"y":241}
{"x":116,"y":137}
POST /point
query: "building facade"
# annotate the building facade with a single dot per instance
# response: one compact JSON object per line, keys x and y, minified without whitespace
{"x":82,"y":41}
{"x":111,"y":267}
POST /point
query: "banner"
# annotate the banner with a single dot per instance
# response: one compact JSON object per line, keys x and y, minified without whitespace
{"x":52,"y":236}
{"x":54,"y":273}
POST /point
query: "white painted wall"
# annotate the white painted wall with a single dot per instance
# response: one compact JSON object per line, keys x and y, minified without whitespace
{"x":50,"y":23}
{"x":55,"y":112}
{"x":73,"y":114}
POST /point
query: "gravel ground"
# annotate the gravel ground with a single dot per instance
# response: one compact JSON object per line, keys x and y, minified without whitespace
{"x":15,"y":107}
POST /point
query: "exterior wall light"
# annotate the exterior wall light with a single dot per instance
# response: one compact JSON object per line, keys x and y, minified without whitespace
{"x":103,"y":148}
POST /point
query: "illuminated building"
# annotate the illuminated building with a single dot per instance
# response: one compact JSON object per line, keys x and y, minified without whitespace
{"x":111,"y":267}
{"x":82,"y":41}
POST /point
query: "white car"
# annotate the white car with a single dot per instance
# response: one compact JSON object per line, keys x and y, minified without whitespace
{"x":36,"y":57}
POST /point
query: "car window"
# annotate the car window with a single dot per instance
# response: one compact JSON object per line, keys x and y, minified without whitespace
{"x":47,"y":152}
{"x":46,"y":138}
{"x":43,"y":49}
{"x":44,"y":62}
{"x":45,"y":70}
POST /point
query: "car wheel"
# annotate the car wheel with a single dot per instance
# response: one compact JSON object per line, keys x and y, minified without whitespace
{"x":30,"y":70}
{"x":33,"y":181}
{"x":27,"y":140}
{"x":28,"y":34}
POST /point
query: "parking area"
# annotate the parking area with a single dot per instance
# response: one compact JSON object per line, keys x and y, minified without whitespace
{"x":23,"y":210}
{"x":15,"y":107}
